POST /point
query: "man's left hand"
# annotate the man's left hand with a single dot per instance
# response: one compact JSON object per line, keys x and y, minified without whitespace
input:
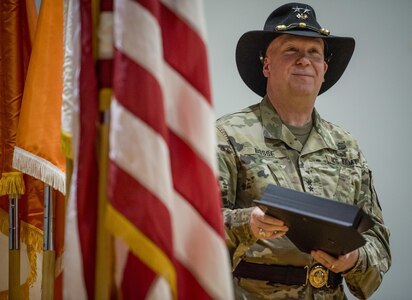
{"x":336,"y":265}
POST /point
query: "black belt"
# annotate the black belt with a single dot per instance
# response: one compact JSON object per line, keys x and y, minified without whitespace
{"x":318,"y":276}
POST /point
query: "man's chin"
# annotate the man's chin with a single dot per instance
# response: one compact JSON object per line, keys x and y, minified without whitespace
{"x":305,"y":90}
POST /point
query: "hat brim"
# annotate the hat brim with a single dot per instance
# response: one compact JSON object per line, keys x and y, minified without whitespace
{"x":252,"y":44}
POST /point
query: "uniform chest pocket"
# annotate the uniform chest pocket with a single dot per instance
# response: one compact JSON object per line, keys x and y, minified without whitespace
{"x":260,"y":167}
{"x":263,"y":167}
{"x":335,"y":177}
{"x":349,"y":183}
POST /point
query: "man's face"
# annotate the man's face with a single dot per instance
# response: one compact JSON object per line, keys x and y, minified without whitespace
{"x":295,"y":65}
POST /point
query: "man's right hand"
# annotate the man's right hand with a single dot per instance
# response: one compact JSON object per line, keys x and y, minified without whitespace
{"x":266,"y":227}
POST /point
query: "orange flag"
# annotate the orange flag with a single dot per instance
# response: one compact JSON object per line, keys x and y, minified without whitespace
{"x":38,"y":151}
{"x":18,"y":20}
{"x":38,"y":148}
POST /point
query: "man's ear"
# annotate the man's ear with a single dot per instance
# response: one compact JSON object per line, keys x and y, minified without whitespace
{"x":265,"y":69}
{"x":325,"y":68}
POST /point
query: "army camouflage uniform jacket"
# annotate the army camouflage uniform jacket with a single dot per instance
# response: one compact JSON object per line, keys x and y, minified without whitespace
{"x":255,"y":149}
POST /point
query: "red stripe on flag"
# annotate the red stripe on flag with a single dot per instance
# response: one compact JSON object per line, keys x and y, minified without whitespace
{"x":104,"y":71}
{"x":135,"y":273}
{"x":195,"y":181}
{"x":188,"y":286}
{"x":185,"y":51}
{"x":87,"y":163}
{"x":106,"y":5}
{"x":138,"y":91}
{"x":141,"y":93}
{"x":141,"y":208}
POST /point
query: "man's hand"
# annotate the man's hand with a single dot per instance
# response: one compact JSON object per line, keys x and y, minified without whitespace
{"x":266,"y":227}
{"x":336,"y":265}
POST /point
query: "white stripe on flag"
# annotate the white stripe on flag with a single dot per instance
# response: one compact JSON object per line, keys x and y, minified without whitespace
{"x":105,"y":34}
{"x":190,"y":116}
{"x":74,"y":284}
{"x":159,"y":290}
{"x":137,"y":34}
{"x":141,"y":152}
{"x":73,"y":280}
{"x":191,"y":11}
{"x":71,"y":63}
{"x":190,"y":233}
{"x":180,"y":97}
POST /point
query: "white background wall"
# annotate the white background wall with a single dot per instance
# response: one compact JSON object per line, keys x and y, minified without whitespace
{"x":372,"y":100}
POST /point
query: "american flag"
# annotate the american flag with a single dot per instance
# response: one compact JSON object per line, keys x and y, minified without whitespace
{"x":162,"y":157}
{"x":165,"y":209}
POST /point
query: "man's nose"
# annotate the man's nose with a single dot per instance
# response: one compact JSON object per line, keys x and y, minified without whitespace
{"x":303,"y":59}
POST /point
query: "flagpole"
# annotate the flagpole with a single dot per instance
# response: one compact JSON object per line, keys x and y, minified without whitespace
{"x":47,"y":285}
{"x":103,"y":280}
{"x":14,"y":248}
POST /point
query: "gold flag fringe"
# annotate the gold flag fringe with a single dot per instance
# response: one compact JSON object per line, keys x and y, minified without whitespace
{"x":39,"y":168}
{"x":29,"y":235}
{"x":12,"y":184}
{"x":66,"y":140}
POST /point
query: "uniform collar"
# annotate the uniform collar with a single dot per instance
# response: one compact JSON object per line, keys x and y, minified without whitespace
{"x":273,"y":128}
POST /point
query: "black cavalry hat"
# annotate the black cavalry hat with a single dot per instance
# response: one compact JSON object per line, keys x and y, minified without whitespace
{"x":295,"y":19}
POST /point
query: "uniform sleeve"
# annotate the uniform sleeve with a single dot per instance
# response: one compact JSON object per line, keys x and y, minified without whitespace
{"x":375,"y":257}
{"x":238,"y":234}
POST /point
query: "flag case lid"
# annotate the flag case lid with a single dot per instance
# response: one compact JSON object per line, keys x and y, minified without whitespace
{"x":316,"y":223}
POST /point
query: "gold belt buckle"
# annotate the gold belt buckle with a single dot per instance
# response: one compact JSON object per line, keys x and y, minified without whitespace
{"x":317,"y":276}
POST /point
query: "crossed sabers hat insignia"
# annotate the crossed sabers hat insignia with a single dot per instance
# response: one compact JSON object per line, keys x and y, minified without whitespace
{"x":302,"y":12}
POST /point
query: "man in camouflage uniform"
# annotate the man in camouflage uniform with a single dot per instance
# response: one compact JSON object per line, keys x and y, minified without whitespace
{"x":283,"y":141}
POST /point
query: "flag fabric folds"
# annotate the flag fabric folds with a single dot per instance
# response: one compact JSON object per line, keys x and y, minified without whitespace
{"x":18,"y":20}
{"x":38,"y":152}
{"x":80,"y":119}
{"x":164,"y":199}
{"x":145,"y":61}
{"x":164,"y":209}
{"x":38,"y":148}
